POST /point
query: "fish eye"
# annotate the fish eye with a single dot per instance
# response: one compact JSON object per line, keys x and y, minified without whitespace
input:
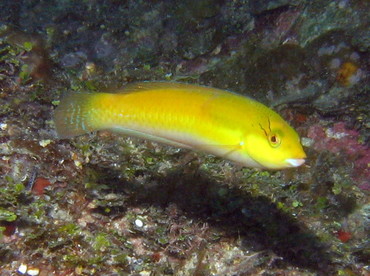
{"x":274,"y":140}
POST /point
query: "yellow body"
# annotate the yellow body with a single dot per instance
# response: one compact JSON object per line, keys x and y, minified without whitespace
{"x":190,"y":116}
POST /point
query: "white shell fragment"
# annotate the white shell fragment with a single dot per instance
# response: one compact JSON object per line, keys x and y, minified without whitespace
{"x":22,"y":269}
{"x":33,"y":271}
{"x":44,"y":143}
{"x":139,"y":223}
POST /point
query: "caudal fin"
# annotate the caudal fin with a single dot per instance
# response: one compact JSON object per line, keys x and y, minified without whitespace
{"x":71,"y":117}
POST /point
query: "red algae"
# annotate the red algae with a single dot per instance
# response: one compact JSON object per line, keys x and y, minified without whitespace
{"x":344,"y":236}
{"x":338,"y":139}
{"x":39,"y":186}
{"x":10,"y":228}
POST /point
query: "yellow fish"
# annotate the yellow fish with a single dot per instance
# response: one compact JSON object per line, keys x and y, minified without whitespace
{"x":212,"y":120}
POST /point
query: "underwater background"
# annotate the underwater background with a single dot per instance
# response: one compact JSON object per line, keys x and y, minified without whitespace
{"x":107,"y":204}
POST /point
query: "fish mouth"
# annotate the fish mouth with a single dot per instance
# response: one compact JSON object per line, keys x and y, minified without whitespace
{"x":295,"y":162}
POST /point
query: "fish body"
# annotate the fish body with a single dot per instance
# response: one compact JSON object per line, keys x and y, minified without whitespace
{"x":189,"y":116}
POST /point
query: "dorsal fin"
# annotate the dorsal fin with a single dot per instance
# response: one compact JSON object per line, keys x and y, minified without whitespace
{"x":154,"y":85}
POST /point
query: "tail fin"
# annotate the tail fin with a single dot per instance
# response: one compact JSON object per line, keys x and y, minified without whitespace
{"x":72,"y":116}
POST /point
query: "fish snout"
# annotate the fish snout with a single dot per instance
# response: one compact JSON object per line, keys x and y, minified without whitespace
{"x":295,"y":162}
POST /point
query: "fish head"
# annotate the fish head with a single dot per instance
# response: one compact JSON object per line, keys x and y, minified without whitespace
{"x":275,"y":145}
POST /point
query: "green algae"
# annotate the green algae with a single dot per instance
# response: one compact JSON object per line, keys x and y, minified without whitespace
{"x":6,"y":215}
{"x":11,"y":192}
{"x":69,"y":229}
{"x":101,"y":242}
